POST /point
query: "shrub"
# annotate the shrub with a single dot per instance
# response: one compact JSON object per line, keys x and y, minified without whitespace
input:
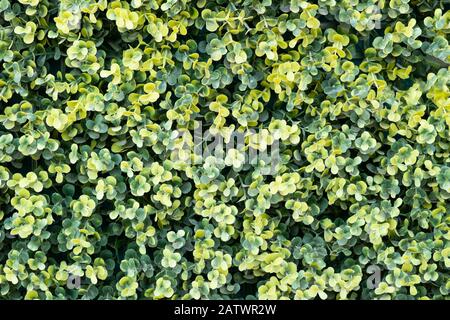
{"x":104,"y":196}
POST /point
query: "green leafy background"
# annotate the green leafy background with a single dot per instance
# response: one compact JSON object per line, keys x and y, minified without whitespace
{"x":92,"y":91}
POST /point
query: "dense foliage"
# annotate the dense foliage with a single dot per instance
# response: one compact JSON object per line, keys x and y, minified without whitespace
{"x":93,"y":93}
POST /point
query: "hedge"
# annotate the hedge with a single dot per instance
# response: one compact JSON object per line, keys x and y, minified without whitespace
{"x":103,"y":194}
